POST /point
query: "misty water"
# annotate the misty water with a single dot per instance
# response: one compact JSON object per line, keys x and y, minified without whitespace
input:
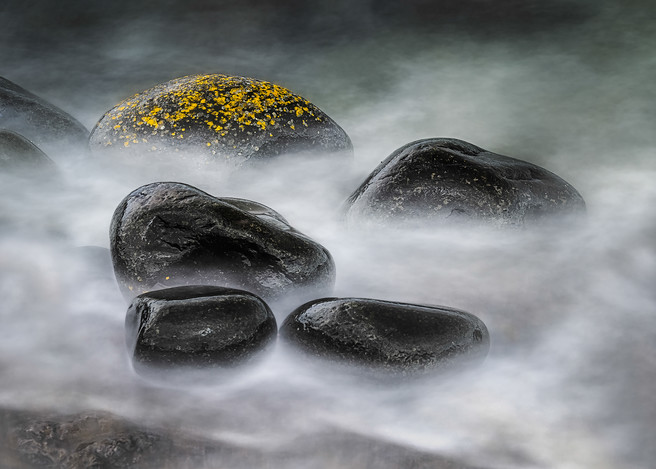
{"x":571,"y":374}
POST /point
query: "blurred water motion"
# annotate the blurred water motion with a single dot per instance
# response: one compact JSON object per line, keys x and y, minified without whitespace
{"x":569,"y":379}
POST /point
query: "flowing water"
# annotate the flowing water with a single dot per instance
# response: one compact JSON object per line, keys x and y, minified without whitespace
{"x":571,"y":374}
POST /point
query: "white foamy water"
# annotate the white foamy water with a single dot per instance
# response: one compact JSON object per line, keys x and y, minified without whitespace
{"x":570,"y":377}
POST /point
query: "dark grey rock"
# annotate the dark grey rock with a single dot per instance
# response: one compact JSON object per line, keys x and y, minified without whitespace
{"x":20,"y":157}
{"x":446,"y":180}
{"x":197,"y":327}
{"x":169,"y":234}
{"x":50,"y":128}
{"x":101,"y":440}
{"x":98,"y":440}
{"x":386,"y":336}
{"x":224,"y":117}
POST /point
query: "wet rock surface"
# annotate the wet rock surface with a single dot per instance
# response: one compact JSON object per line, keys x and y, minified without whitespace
{"x":232,"y":118}
{"x":104,"y":440}
{"x":446,"y":180}
{"x":384,"y":335}
{"x":172,"y":234}
{"x":48,"y":127}
{"x":197,"y":327}
{"x":19,"y":155}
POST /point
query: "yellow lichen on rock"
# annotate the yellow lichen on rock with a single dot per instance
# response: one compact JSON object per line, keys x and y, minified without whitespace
{"x":242,"y":113}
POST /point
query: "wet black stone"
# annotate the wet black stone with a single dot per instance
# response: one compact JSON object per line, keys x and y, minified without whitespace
{"x":50,"y":128}
{"x":386,"y":336}
{"x":19,"y":155}
{"x":228,"y":118}
{"x":197,"y":327}
{"x":447,"y":180}
{"x":169,"y":234}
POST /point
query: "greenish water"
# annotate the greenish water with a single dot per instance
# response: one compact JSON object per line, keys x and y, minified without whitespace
{"x":566,"y":85}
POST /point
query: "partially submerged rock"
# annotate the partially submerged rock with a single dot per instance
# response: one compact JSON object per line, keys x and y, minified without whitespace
{"x":169,"y":234}
{"x":386,"y":336}
{"x":197,"y":327}
{"x":443,"y":180}
{"x":54,"y":131}
{"x":94,"y":439}
{"x":227,"y":117}
{"x":20,"y":156}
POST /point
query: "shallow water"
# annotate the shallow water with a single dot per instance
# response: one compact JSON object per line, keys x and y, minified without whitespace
{"x":570,"y":309}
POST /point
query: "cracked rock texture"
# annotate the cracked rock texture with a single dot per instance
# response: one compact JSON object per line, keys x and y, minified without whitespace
{"x":168,"y":234}
{"x":386,"y":336}
{"x":444,"y":180}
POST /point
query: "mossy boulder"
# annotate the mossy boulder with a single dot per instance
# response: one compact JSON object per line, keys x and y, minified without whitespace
{"x":231,"y":118}
{"x":447,"y":181}
{"x":54,"y":131}
{"x":168,"y":234}
{"x":385,"y":336}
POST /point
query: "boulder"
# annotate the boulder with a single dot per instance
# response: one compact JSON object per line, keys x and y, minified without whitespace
{"x":169,"y":234}
{"x":19,"y":155}
{"x":386,"y":336}
{"x":224,"y":117}
{"x":443,"y":180}
{"x":50,"y":128}
{"x":197,"y":327}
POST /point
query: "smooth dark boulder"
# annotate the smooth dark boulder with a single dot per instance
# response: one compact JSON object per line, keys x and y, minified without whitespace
{"x":54,"y":131}
{"x":197,"y":327}
{"x":19,"y":155}
{"x":169,"y":234}
{"x":230,"y":118}
{"x":443,"y":180}
{"x":386,"y":336}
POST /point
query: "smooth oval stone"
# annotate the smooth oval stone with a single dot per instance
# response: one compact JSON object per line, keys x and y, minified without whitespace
{"x":446,"y":180}
{"x":235,"y":118}
{"x":18,"y":154}
{"x":169,"y":234}
{"x":197,"y":327}
{"x":385,"y":335}
{"x":54,"y":131}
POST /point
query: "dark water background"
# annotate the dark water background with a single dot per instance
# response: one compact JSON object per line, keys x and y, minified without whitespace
{"x":568,"y":85}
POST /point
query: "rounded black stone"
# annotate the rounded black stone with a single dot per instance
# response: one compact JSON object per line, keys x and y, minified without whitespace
{"x":18,"y":154}
{"x":229,"y":118}
{"x":54,"y":131}
{"x":385,"y":335}
{"x":169,"y":234}
{"x":447,"y":180}
{"x":197,"y":327}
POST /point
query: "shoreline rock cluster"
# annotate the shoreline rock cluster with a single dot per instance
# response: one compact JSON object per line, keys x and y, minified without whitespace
{"x":204,"y":275}
{"x":203,"y":272}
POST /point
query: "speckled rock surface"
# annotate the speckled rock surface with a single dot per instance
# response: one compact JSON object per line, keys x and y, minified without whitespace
{"x":386,"y":336}
{"x":94,"y":439}
{"x":54,"y":131}
{"x":169,"y":234}
{"x":18,"y":154}
{"x":197,"y":327}
{"x":449,"y":181}
{"x":234,"y":118}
